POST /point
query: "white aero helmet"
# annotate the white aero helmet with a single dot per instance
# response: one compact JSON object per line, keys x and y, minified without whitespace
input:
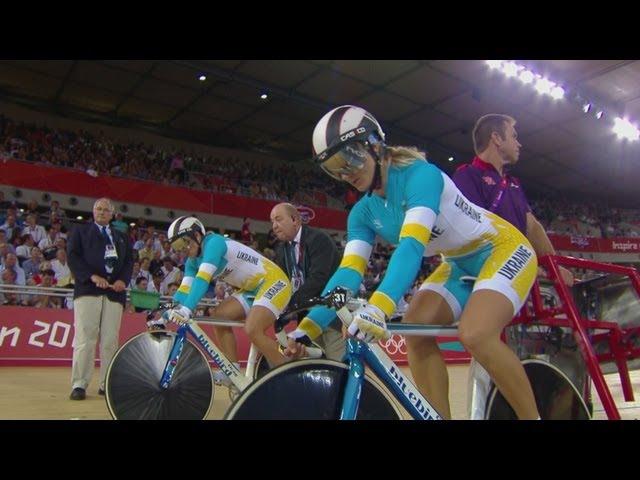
{"x":184,"y":227}
{"x":337,"y":133}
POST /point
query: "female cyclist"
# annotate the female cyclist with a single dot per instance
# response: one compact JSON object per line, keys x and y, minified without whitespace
{"x":414,"y":205}
{"x":264,"y":289}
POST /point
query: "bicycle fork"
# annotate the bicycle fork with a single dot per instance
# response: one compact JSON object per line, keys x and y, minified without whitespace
{"x":174,"y":356}
{"x":352,"y":392}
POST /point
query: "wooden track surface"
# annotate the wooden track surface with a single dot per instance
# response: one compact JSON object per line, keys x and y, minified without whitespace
{"x":42,"y":393}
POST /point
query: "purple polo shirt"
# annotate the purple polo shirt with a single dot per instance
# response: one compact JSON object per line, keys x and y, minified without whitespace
{"x":480,"y":182}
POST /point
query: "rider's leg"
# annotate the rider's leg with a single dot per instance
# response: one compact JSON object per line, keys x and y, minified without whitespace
{"x":260,"y":318}
{"x":485,"y":315}
{"x":270,"y":301}
{"x":229,"y":309}
{"x":427,"y":365}
{"x":333,"y":343}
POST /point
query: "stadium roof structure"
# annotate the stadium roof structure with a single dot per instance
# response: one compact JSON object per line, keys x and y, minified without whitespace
{"x":271,"y":106}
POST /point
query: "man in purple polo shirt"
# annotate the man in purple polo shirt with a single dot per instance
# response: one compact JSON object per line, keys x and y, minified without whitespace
{"x":485,"y":183}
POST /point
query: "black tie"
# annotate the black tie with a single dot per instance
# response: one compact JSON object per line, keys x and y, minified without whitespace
{"x":106,"y":235}
{"x":292,"y":255}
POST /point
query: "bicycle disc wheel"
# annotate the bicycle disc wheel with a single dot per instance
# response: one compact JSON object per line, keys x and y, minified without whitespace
{"x":556,"y":397}
{"x":262,"y":367}
{"x":133,"y":389}
{"x":310,"y":389}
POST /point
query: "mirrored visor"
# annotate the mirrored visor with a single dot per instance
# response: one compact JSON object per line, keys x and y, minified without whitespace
{"x":180,"y":244}
{"x":345,"y":161}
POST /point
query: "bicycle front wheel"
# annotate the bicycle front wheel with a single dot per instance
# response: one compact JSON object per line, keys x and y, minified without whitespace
{"x":310,"y":389}
{"x":133,"y":389}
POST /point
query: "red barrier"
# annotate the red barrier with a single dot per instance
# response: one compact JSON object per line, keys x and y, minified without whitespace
{"x":43,"y":337}
{"x":76,"y":182}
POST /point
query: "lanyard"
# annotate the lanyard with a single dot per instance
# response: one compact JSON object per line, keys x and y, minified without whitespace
{"x":501,"y":189}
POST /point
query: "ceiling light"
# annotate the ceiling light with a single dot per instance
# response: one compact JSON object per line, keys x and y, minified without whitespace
{"x":264,"y":96}
{"x":526,"y":76}
{"x":544,"y":86}
{"x":510,"y":69}
{"x":79,"y":217}
{"x":557,"y":92}
{"x":202,"y":78}
{"x":451,"y":159}
{"x":625,"y":129}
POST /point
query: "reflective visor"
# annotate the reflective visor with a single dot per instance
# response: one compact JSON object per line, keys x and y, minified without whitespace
{"x":346,"y":161}
{"x":180,"y":244}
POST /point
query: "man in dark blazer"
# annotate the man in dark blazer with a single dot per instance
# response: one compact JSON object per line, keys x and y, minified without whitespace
{"x":101,"y":261}
{"x":309,"y":257}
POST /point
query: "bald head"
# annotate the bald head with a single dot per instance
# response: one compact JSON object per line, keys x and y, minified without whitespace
{"x":285,"y":221}
{"x":103,"y":211}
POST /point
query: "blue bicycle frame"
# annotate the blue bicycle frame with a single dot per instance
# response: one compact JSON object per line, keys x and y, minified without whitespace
{"x":227,"y":367}
{"x":359,"y":354}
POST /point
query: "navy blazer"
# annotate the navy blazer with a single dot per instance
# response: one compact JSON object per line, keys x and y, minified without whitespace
{"x":320,"y":259}
{"x":85,"y":250}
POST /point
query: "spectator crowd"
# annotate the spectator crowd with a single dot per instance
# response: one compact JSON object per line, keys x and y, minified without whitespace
{"x":99,"y":155}
{"x":33,"y":237}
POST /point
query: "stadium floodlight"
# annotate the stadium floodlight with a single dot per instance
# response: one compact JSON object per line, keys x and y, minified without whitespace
{"x":526,"y":76}
{"x":511,"y":69}
{"x":557,"y":92}
{"x":623,"y":128}
{"x":544,"y":85}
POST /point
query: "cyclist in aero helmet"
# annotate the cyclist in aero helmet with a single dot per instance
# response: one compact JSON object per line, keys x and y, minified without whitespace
{"x":263,"y":288}
{"x":412,"y":204}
